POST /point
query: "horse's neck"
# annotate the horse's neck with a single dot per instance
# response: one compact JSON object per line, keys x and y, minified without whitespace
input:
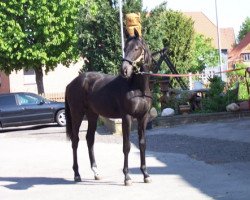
{"x":141,"y":82}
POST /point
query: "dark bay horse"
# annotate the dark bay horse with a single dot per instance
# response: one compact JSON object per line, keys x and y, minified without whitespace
{"x":124,"y":96}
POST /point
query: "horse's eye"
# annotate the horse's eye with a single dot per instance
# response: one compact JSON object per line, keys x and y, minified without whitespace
{"x":136,"y":48}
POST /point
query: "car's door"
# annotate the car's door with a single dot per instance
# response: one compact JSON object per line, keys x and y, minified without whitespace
{"x":10,"y":113}
{"x":36,"y":110}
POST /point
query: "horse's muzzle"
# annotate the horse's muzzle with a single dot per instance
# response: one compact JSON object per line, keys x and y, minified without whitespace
{"x":126,"y":69}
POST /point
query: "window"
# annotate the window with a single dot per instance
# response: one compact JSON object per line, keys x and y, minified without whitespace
{"x":246,"y":57}
{"x":29,"y":76}
{"x":24,"y":99}
{"x":7,"y":100}
{"x":28,"y":72}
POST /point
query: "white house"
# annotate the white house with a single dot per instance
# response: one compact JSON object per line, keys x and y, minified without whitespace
{"x":203,"y":25}
{"x":54,"y":81}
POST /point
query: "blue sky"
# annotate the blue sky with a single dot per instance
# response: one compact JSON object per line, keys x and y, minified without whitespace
{"x":231,"y":13}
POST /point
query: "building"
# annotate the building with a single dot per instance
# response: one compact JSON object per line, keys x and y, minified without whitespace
{"x":54,"y":81}
{"x":203,"y":25}
{"x":241,"y":53}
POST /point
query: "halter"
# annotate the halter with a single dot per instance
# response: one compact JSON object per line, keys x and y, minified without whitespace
{"x":136,"y":64}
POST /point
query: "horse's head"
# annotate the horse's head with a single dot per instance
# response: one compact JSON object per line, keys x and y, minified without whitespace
{"x":137,"y":56}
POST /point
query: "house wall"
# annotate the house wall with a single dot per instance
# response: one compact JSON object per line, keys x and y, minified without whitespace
{"x":57,"y":80}
{"x":54,"y":81}
{"x":17,"y":83}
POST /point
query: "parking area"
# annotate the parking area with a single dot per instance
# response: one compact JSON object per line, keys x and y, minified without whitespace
{"x":194,"y":161}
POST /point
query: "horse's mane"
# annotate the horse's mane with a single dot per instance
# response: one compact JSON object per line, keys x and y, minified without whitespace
{"x":148,"y":56}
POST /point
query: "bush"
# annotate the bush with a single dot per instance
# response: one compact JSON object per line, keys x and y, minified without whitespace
{"x":239,"y":76}
{"x":217,"y":99}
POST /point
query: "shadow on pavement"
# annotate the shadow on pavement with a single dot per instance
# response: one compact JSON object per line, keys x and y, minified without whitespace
{"x":27,"y":128}
{"x":23,"y":183}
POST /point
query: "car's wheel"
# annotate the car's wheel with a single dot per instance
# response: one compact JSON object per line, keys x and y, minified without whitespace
{"x":60,"y":118}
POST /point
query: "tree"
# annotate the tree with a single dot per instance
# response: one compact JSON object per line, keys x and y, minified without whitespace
{"x":203,"y":54}
{"x":99,"y":33}
{"x":132,"y":6}
{"x":37,"y":34}
{"x":100,"y":42}
{"x":99,"y":36}
{"x":244,"y":29}
{"x":170,"y":29}
{"x":188,"y":51}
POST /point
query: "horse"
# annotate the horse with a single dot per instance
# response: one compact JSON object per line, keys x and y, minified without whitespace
{"x":124,"y":96}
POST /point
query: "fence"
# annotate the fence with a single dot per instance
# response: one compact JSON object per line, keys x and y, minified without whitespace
{"x":55,"y":96}
{"x":197,"y":80}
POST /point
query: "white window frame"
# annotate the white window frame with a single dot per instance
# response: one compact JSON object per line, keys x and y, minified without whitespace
{"x":246,"y":57}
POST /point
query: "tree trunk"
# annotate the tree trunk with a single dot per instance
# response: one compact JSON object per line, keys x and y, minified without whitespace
{"x":39,"y":80}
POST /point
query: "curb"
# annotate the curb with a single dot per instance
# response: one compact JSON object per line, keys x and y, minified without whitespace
{"x":199,"y":118}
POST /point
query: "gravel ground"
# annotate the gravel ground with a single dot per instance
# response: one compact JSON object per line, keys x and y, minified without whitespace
{"x":180,"y":139}
{"x":210,"y":150}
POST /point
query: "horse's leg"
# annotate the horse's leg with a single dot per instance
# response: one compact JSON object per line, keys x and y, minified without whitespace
{"x":142,"y":123}
{"x":90,"y":137}
{"x":126,"y":125}
{"x":76,"y":122}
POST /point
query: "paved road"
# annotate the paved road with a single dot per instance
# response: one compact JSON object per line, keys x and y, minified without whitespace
{"x":198,"y":161}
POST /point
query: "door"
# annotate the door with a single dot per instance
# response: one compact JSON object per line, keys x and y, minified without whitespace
{"x":35,"y":110}
{"x":10,"y":113}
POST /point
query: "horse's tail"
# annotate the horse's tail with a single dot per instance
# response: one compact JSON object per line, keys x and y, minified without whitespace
{"x":68,"y":117}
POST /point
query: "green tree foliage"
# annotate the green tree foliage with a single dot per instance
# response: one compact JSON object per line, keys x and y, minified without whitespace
{"x":244,"y":29}
{"x":100,"y":42}
{"x":239,"y":76}
{"x":37,"y":34}
{"x":132,"y":6}
{"x":170,"y":29}
{"x":99,"y":36}
{"x":203,"y":54}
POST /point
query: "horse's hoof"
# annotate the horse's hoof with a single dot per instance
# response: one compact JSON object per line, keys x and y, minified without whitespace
{"x":147,"y":180}
{"x":78,"y":179}
{"x":98,"y":177}
{"x":128,"y":182}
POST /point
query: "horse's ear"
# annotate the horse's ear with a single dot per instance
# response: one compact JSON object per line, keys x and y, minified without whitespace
{"x":137,"y":35}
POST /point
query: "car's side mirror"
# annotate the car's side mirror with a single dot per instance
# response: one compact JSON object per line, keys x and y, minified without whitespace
{"x":41,"y":102}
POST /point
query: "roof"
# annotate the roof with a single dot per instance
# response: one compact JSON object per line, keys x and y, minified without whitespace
{"x":242,"y":47}
{"x":203,"y":25}
{"x":227,"y":38}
